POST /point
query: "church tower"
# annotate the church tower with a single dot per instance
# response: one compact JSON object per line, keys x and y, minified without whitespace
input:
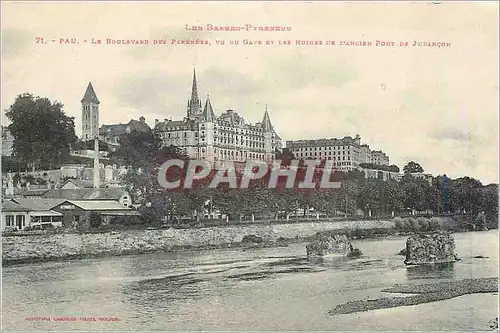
{"x":194,"y":104}
{"x":90,"y":114}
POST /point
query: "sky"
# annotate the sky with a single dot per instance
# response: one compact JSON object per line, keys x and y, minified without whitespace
{"x":437,"y":106}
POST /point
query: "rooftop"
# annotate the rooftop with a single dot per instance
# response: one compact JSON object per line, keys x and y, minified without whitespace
{"x":112,"y":193}
{"x":38,"y":203}
{"x":10,"y":206}
{"x":97,"y":205}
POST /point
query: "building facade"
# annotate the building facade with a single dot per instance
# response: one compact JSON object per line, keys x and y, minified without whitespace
{"x":347,"y":153}
{"x":227,"y":137}
{"x":90,"y":114}
{"x":379,"y":157}
{"x":365,"y":154}
{"x":111,"y":133}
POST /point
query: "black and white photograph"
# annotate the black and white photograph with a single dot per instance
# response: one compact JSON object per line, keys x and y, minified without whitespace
{"x":249,"y":166}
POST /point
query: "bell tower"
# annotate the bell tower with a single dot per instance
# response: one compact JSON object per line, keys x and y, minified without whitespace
{"x":90,"y":114}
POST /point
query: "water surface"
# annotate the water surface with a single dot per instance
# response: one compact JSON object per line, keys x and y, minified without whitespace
{"x":236,"y":289}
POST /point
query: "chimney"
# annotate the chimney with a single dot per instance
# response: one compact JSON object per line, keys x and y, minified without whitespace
{"x":357,"y":139}
{"x":156,"y":122}
{"x":97,"y":178}
{"x":142,"y":119}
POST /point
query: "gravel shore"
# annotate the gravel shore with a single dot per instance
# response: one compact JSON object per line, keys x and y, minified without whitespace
{"x":425,"y":293}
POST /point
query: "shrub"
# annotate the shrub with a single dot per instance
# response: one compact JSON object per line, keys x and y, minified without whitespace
{"x":413,"y":224}
{"x":251,"y":239}
{"x":434,"y":223}
{"x":423,"y":224}
{"x":355,"y":253}
{"x":399,"y":224}
{"x":95,"y":220}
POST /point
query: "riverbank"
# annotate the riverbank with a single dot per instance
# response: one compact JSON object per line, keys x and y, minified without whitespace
{"x":425,"y":293}
{"x":64,"y":246}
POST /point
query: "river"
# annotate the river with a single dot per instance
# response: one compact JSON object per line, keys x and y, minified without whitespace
{"x":237,"y":289}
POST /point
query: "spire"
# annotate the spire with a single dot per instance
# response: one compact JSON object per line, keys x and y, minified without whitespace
{"x":208,"y":112}
{"x":266,"y":122}
{"x":194,"y":104}
{"x":90,"y":95}
{"x":194,"y":89}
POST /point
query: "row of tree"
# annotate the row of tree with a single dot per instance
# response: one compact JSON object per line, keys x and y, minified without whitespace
{"x":144,"y":153}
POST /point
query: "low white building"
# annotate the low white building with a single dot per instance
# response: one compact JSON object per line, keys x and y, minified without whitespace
{"x":21,"y":213}
{"x":14,"y":216}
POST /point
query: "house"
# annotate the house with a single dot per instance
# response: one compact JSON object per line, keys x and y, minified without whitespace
{"x":29,"y":193}
{"x":25,"y":212}
{"x":111,"y":133}
{"x":74,"y":184}
{"x":425,"y":176}
{"x":74,"y":211}
{"x":115,"y":194}
{"x":14,"y":215}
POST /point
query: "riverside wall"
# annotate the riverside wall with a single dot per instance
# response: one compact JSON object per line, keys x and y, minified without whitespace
{"x":58,"y":246}
{"x":30,"y":248}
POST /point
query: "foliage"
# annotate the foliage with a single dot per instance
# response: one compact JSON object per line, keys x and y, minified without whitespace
{"x":373,"y":166}
{"x":355,"y":253}
{"x":89,"y":145}
{"x":41,"y":130}
{"x":94,"y":220}
{"x":285,"y":156}
{"x":13,"y":164}
{"x":413,"y":167}
{"x":357,"y":195}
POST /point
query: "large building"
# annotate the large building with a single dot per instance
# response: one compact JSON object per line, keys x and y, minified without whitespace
{"x":379,"y":157}
{"x":111,"y":133}
{"x":227,"y":137}
{"x":346,"y":153}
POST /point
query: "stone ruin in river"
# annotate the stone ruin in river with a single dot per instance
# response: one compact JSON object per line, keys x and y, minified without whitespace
{"x":326,"y":245}
{"x":432,"y":248}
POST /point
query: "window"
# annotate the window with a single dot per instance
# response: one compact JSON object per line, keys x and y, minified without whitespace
{"x":10,"y":220}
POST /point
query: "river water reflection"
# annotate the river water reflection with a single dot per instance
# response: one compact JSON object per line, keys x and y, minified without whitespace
{"x":235,"y":289}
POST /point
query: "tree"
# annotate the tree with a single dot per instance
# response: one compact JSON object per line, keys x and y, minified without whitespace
{"x":143,"y":153}
{"x":373,"y":166}
{"x":414,"y":193}
{"x":412,"y":167}
{"x":90,"y":145}
{"x":369,"y":195}
{"x":489,"y":204}
{"x":392,"y":197}
{"x":285,"y":156}
{"x":42,"y":131}
{"x":466,"y":195}
{"x":94,"y":220}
